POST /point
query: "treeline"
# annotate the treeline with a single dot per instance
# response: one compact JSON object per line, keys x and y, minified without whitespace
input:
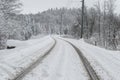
{"x":52,"y":21}
{"x":101,"y":24}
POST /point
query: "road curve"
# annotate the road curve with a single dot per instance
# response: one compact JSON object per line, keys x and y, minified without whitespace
{"x":63,"y":63}
{"x":91,"y":72}
{"x":33,"y":65}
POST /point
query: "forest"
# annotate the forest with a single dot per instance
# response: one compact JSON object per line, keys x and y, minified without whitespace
{"x":101,"y":23}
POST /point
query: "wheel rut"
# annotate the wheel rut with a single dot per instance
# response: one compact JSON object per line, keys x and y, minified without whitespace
{"x":89,"y":69}
{"x":33,"y":65}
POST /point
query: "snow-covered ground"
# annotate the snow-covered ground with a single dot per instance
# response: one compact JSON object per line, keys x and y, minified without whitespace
{"x":63,"y":63}
{"x":12,"y":62}
{"x":105,"y":62}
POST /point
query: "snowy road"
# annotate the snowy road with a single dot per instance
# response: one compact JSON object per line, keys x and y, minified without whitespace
{"x":106,"y":63}
{"x":63,"y":63}
{"x":91,"y":72}
{"x":34,"y":64}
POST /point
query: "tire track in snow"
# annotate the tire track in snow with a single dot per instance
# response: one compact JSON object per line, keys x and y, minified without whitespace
{"x":91,"y":72}
{"x":62,"y":64}
{"x":33,"y":65}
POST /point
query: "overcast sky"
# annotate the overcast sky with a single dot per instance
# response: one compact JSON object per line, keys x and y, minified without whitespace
{"x":35,"y":6}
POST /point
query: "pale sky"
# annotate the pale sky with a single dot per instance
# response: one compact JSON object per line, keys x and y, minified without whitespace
{"x":35,"y":6}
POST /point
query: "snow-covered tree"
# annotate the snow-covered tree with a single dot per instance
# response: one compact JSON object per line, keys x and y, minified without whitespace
{"x":7,"y":9}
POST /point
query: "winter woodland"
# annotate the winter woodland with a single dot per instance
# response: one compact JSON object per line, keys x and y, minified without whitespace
{"x":101,"y":24}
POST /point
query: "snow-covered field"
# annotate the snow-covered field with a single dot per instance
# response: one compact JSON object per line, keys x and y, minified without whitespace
{"x":12,"y":62}
{"x":105,"y":62}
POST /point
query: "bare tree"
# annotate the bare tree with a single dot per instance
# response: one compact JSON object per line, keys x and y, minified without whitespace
{"x":98,"y":8}
{"x":111,"y":32}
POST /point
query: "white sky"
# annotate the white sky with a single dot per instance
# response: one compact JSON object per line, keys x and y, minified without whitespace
{"x":35,"y":6}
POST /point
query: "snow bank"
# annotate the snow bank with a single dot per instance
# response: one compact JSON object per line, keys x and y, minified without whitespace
{"x":12,"y":62}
